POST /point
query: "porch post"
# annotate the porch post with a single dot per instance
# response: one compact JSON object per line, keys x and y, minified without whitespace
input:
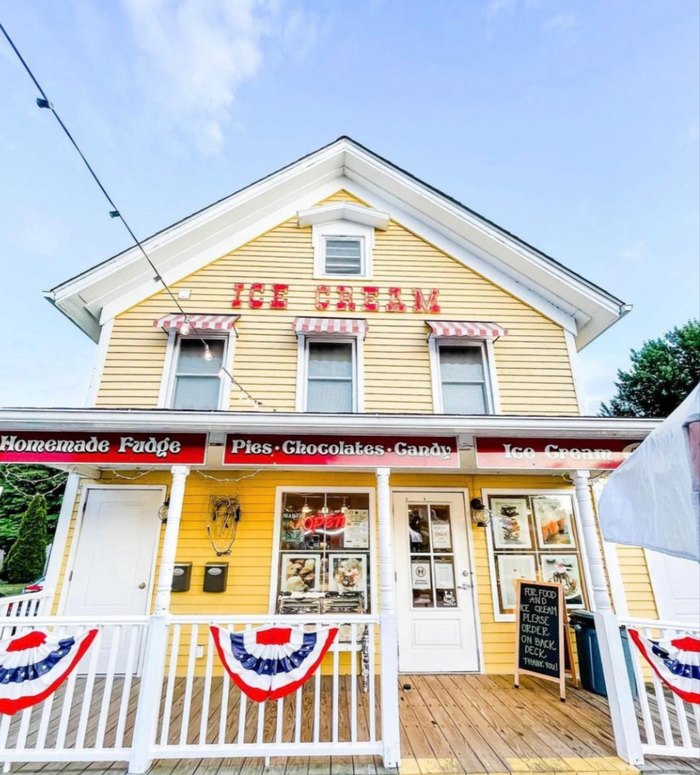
{"x":172,"y":531}
{"x":620,"y":700}
{"x":146,"y":721}
{"x":388,"y":626}
{"x":58,"y":546}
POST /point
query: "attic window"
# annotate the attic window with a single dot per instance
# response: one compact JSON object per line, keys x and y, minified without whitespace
{"x":343,"y":255}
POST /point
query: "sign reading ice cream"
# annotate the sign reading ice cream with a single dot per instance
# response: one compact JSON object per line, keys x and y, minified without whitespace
{"x":570,"y":454}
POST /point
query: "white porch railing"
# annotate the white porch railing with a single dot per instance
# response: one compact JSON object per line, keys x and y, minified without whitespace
{"x":86,"y":718}
{"x":26,"y":604}
{"x":118,"y":706}
{"x":329,"y":715}
{"x":668,"y":725}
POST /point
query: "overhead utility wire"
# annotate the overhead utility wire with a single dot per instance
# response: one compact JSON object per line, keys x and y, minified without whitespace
{"x":115,"y":212}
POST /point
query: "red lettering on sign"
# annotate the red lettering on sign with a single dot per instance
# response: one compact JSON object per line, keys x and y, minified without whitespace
{"x":345,"y":301}
{"x":279,"y":296}
{"x":255,"y":295}
{"x":370,"y":304}
{"x":395,"y":304}
{"x":322,"y":303}
{"x":238,"y":289}
{"x":420,"y":304}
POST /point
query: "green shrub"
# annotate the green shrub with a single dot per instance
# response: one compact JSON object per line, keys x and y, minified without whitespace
{"x":27,"y":557}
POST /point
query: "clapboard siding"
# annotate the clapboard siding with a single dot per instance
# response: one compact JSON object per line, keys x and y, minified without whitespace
{"x":532,"y":363}
{"x":253,"y":552}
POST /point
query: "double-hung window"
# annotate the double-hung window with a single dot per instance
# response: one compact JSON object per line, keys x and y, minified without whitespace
{"x":463,"y":383}
{"x":461,"y":354}
{"x":329,"y":367}
{"x":197,"y":377}
{"x":331,"y":384}
{"x":198,"y":360}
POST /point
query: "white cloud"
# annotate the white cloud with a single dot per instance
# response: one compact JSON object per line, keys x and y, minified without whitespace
{"x":197,"y":53}
{"x":560,"y":22}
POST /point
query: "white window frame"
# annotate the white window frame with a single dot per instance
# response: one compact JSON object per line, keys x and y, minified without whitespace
{"x":172,"y":353}
{"x":357,"y":342}
{"x":488,"y":493}
{"x":338,"y":230}
{"x":274,"y":576}
{"x":493,"y":402}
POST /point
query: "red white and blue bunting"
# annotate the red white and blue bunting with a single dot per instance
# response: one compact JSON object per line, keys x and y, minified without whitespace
{"x":676,"y":662}
{"x":272,"y":662}
{"x":34,"y":665}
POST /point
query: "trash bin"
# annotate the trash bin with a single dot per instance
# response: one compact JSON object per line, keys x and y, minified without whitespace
{"x":589,"y":662}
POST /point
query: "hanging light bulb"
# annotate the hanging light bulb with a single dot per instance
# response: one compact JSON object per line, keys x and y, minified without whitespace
{"x":305,"y":509}
{"x":207,"y":353}
{"x":185,"y":328}
{"x":344,"y":508}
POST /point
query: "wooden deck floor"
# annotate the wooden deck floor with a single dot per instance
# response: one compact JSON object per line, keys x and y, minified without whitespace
{"x":453,"y":724}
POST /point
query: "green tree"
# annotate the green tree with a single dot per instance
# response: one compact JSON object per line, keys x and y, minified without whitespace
{"x":663,"y":372}
{"x":25,"y":561}
{"x":20,"y":483}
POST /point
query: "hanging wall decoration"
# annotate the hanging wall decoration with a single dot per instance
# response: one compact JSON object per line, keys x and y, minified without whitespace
{"x":676,"y":662}
{"x":272,"y":662}
{"x":222,"y":523}
{"x":34,"y":665}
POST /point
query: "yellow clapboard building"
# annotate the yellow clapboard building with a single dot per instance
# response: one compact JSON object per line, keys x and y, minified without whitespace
{"x":337,"y":392}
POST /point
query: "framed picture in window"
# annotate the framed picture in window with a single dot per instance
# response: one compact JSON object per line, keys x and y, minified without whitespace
{"x":510,"y":568}
{"x":347,"y":573}
{"x":554,"y":521}
{"x":564,"y":569}
{"x":510,"y":525}
{"x":300,"y":573}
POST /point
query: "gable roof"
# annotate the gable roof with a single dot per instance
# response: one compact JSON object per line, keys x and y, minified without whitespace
{"x":95,"y":296}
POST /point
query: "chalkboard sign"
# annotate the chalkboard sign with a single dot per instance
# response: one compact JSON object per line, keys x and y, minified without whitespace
{"x":543,"y":647}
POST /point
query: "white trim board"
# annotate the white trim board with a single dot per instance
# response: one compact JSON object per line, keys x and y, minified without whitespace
{"x":122,"y":281}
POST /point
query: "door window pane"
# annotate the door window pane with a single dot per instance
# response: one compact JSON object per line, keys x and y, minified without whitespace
{"x":431,"y":556}
{"x":330,"y":385}
{"x":463,"y":380}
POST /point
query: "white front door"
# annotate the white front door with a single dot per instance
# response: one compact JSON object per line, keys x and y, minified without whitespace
{"x":435,"y":595}
{"x":113,"y":567}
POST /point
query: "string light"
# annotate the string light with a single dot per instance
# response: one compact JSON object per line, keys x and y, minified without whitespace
{"x":207,"y":353}
{"x":186,"y":328}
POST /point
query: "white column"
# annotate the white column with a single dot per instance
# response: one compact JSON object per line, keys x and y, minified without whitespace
{"x":146,"y":721}
{"x":612,"y":562}
{"x":172,"y":531}
{"x":622,"y":712}
{"x":58,"y":545}
{"x":388,"y":626}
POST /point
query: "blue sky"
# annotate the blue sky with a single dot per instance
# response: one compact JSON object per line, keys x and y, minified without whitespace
{"x":571,"y":124}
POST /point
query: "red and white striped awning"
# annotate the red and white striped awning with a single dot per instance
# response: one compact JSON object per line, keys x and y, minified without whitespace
{"x":197,"y":322}
{"x":340,"y":326}
{"x":471,"y":328}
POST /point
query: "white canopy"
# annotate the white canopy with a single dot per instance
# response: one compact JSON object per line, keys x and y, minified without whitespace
{"x":653,"y":498}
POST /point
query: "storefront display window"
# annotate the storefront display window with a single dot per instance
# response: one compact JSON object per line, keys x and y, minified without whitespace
{"x":324,"y":553}
{"x":533,"y":536}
